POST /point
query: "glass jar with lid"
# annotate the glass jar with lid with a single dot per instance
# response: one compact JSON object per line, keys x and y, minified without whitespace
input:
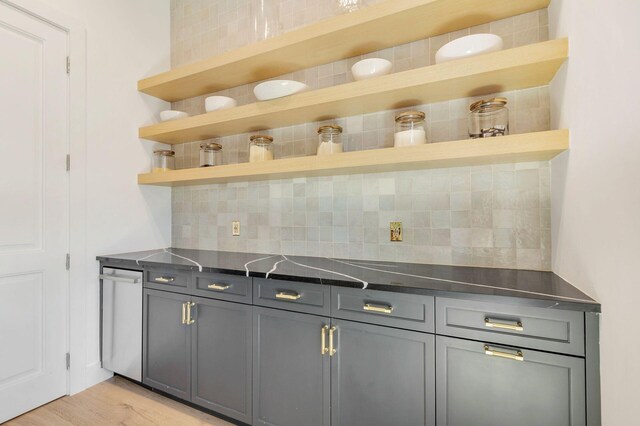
{"x":163,"y":160}
{"x":329,"y":139}
{"x":409,"y":129}
{"x":210,"y":154}
{"x":488,"y":118}
{"x":260,"y":148}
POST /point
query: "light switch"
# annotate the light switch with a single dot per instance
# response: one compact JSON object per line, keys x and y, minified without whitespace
{"x":395,"y":229}
{"x":235,"y":228}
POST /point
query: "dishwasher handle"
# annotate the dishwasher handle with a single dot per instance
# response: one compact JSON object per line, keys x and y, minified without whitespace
{"x":120,"y":278}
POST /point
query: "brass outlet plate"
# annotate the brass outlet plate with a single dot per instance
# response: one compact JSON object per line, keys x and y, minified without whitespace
{"x":395,"y":229}
{"x":235,"y":228}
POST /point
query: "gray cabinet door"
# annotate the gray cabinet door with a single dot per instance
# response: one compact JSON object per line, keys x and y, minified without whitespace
{"x":291,"y":375}
{"x":166,"y":343}
{"x":382,"y":376}
{"x":221,"y":357}
{"x":485,"y":389}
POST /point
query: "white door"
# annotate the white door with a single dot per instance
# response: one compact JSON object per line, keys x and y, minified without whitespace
{"x":33,"y":212}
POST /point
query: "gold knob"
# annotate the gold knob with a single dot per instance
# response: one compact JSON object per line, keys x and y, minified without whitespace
{"x":287,"y":296}
{"x":516,"y":326}
{"x":218,"y":287}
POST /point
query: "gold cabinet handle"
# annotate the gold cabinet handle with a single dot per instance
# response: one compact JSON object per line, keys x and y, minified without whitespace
{"x":516,"y":326}
{"x":184,"y":312}
{"x":189,"y":319}
{"x":491,"y":352}
{"x":218,"y":287}
{"x":323,"y":338}
{"x":164,"y":280}
{"x":377,"y":308}
{"x":332,"y":349}
{"x":287,"y":296}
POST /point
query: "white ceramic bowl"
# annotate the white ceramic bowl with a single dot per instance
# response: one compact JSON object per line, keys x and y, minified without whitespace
{"x":170,"y":114}
{"x":371,"y":67}
{"x":471,"y":45}
{"x":214,"y":103}
{"x":277,"y":89}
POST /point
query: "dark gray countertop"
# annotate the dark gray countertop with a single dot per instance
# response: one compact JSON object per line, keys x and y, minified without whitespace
{"x":532,"y":288}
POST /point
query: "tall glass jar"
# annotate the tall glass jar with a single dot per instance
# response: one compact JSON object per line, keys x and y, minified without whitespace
{"x":260,"y":148}
{"x":210,"y":154}
{"x":163,"y":160}
{"x":264,"y":18}
{"x":488,"y":118}
{"x":329,"y":139}
{"x":409,"y":129}
{"x":348,"y":6}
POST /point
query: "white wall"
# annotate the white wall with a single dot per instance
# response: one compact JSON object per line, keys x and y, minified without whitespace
{"x":126,"y":40}
{"x":596,"y":186}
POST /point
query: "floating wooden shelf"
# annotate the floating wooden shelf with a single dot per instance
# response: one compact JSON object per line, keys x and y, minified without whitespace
{"x":518,"y":68}
{"x":539,"y":146}
{"x":377,"y":27}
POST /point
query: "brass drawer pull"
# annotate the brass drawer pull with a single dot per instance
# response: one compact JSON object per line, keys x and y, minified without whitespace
{"x":516,"y":326}
{"x":184,"y":312}
{"x":287,"y":296}
{"x":332,"y":350}
{"x":164,"y":279}
{"x":218,"y":287}
{"x":323,"y":340}
{"x":189,"y":319}
{"x":491,"y":352}
{"x":377,"y":308}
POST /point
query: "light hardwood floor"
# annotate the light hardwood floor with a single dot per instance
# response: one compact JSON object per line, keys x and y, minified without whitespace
{"x":115,"y":402}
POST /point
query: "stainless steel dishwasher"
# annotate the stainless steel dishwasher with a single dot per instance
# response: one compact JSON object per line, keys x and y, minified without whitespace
{"x":121,"y":322}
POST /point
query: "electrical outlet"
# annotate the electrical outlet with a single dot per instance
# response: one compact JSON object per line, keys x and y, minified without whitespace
{"x":235,"y":228}
{"x":395,"y":231}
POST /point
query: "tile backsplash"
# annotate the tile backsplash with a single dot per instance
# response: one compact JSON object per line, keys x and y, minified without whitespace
{"x":483,"y":216}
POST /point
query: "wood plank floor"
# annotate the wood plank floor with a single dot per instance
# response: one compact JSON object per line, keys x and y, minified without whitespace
{"x":115,"y":402}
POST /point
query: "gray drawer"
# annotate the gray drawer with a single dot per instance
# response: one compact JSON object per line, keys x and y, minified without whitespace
{"x":235,"y":288}
{"x":536,"y":328}
{"x":292,"y":295}
{"x":167,"y":279}
{"x":409,"y":311}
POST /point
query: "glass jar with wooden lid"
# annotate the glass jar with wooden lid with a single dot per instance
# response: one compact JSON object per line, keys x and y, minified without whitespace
{"x":329,"y":139}
{"x":163,"y":160}
{"x":260,"y":148}
{"x":488,"y":118}
{"x":210,"y":154}
{"x":409,"y":129}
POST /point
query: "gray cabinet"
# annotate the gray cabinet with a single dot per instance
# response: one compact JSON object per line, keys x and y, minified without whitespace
{"x":166,"y":343}
{"x":291,"y":385}
{"x":381,"y":376}
{"x":221,"y":357}
{"x":487,"y":385}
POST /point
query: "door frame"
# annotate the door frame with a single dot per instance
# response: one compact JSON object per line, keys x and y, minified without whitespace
{"x":76,"y":146}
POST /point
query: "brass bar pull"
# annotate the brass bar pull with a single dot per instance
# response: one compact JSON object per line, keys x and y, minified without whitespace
{"x":164,"y":279}
{"x":323,"y":340}
{"x":516,"y":326}
{"x":287,"y":296}
{"x":332,"y":349}
{"x":189,"y":319}
{"x":184,"y":313}
{"x":377,"y":308}
{"x":491,"y":352}
{"x":218,"y":287}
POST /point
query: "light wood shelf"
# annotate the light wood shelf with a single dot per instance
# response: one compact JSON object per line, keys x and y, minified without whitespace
{"x":539,"y":146}
{"x":518,"y":68}
{"x":377,"y":27}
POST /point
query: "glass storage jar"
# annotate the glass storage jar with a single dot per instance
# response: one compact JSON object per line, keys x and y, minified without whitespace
{"x":409,"y":129}
{"x":329,"y":139}
{"x":163,"y":160}
{"x":488,"y":118}
{"x":210,"y":154}
{"x":260,"y":148}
